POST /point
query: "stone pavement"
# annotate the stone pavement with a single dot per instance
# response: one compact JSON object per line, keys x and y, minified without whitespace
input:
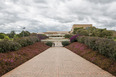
{"x":57,"y":62}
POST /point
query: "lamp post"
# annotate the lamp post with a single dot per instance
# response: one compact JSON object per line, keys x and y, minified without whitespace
{"x":23,"y":31}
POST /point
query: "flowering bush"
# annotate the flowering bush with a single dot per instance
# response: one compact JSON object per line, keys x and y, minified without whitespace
{"x":93,"y":56}
{"x":106,"y":47}
{"x":74,"y":38}
{"x":10,"y":60}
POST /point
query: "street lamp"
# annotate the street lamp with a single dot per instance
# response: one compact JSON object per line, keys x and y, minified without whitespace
{"x":23,"y":31}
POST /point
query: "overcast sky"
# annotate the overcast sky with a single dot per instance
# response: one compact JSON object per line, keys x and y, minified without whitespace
{"x":56,"y":15}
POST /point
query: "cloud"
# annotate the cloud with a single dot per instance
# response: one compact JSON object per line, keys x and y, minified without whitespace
{"x":102,"y":1}
{"x":55,"y":15}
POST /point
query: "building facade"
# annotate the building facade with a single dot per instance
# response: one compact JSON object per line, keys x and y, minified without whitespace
{"x":55,"y":33}
{"x":80,"y":26}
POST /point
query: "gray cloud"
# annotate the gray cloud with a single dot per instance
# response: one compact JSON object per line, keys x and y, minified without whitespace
{"x":58,"y":15}
{"x":102,"y":1}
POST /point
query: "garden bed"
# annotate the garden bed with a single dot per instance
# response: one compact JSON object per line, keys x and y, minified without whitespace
{"x":93,"y":56}
{"x":12,"y":59}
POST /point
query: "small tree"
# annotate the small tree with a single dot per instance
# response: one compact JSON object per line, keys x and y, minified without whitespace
{"x":25,"y":33}
{"x":12,"y":34}
{"x":2,"y":36}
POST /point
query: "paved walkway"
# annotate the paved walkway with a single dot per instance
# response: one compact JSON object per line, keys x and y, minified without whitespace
{"x":57,"y":62}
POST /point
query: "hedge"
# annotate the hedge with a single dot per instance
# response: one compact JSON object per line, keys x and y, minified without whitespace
{"x":49,"y":44}
{"x":65,"y":43}
{"x":25,"y":41}
{"x":6,"y":45}
{"x":105,"y":46}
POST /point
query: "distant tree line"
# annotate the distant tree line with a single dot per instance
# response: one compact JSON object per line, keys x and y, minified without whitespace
{"x":12,"y":35}
{"x":92,"y":31}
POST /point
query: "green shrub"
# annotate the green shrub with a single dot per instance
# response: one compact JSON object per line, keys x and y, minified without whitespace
{"x":65,"y":43}
{"x":6,"y":38}
{"x":90,"y":41}
{"x":25,"y":41}
{"x":68,"y":36}
{"x":81,"y":39}
{"x":106,"y":47}
{"x":6,"y":46}
{"x":24,"y":34}
{"x":21,"y":41}
{"x":1,"y":36}
{"x":114,"y":37}
{"x":109,"y":37}
{"x":49,"y":43}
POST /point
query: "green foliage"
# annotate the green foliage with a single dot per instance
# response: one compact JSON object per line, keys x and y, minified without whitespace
{"x":49,"y":43}
{"x":81,"y":39}
{"x":91,"y":42}
{"x":76,"y":30}
{"x":15,"y":36}
{"x":83,"y":32}
{"x":6,"y":38}
{"x":65,"y":43}
{"x":2,"y":36}
{"x":68,"y":36}
{"x":11,"y":34}
{"x":25,"y":41}
{"x":6,"y":46}
{"x":104,"y":33}
{"x":24,"y":33}
{"x":105,"y":46}
{"x":92,"y":31}
{"x":109,"y":37}
{"x":114,"y":37}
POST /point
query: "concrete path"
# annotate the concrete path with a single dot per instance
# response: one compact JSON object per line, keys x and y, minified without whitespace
{"x":58,"y":62}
